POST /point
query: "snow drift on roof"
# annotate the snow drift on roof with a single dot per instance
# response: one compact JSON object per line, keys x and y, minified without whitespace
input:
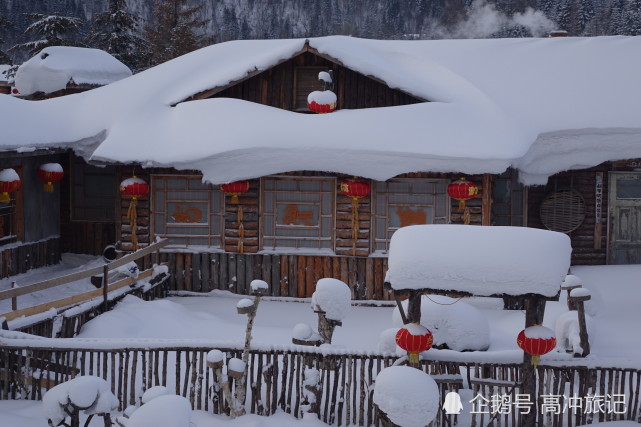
{"x":494,"y":104}
{"x":55,"y":67}
{"x":481,"y":261}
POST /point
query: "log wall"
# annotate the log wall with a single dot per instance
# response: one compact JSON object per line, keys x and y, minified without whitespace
{"x":20,"y":258}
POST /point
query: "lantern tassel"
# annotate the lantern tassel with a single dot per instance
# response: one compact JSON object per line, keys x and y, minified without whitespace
{"x":413,"y":358}
{"x":535,"y":360}
{"x":355,"y":224}
{"x":133,"y":216}
{"x":4,"y":198}
{"x":466,"y":216}
{"x":234,"y":199}
{"x":48,"y":187}
{"x":461,"y":204}
{"x":241,"y":230}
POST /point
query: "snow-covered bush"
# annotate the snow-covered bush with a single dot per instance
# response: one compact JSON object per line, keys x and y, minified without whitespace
{"x":88,"y":393}
{"x":165,"y":411}
{"x":333,"y":297}
{"x":454,"y":324}
{"x":408,"y":396}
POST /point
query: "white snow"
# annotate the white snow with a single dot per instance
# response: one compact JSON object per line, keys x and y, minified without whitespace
{"x":539,"y":332}
{"x":572,"y":280}
{"x":324,"y":97}
{"x":236,"y":364}
{"x":51,"y":167}
{"x":481,"y":261}
{"x":166,"y":411}
{"x":215,"y":356}
{"x":92,"y":394}
{"x":153,"y":393}
{"x":245,"y":302}
{"x":477,"y":121}
{"x":325,"y":76}
{"x":302,"y":331}
{"x":387,"y":341}
{"x":408,"y":396}
{"x":8,"y":175}
{"x":259,"y":285}
{"x":333,"y":297}
{"x":580,"y":292}
{"x":453,"y":322}
{"x":567,"y":330}
{"x":54,"y":67}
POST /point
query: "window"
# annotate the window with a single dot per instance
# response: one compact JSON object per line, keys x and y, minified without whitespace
{"x":94,"y":192}
{"x":7,"y":220}
{"x":508,"y":200}
{"x":306,"y":82}
{"x":297,"y":213}
{"x":187,"y":211}
{"x":402,"y":202}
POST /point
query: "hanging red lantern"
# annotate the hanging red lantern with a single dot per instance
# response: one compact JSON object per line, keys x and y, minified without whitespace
{"x":414,"y":339}
{"x":321,"y":101}
{"x":50,"y":173}
{"x":9,"y":183}
{"x":536,"y":340}
{"x":135,"y":188}
{"x":234,"y":189}
{"x":356,"y":190}
{"x":463,"y":190}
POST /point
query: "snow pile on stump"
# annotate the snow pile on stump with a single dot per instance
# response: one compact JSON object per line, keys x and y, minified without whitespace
{"x":481,"y":261}
{"x":88,"y":393}
{"x":453,"y":323}
{"x":164,"y":410}
{"x":333,"y":297}
{"x":409,"y":397}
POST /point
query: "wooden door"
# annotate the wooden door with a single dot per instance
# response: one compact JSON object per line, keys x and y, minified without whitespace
{"x":624,"y":218}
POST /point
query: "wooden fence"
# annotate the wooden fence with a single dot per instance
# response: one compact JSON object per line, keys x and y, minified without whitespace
{"x":276,"y":379}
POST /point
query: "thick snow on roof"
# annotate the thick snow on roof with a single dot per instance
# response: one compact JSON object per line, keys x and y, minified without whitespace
{"x":542,"y":105}
{"x":54,"y":67}
{"x":482,"y":261}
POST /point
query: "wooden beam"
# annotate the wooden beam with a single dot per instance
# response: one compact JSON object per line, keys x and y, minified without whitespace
{"x":486,"y":210}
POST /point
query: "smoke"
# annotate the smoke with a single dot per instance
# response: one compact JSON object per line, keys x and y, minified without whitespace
{"x":484,"y":20}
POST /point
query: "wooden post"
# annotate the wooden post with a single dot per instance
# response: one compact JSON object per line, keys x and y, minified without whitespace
{"x":583,"y":330}
{"x":105,"y":287}
{"x":570,"y":301}
{"x":326,"y":327}
{"x":414,"y":307}
{"x":486,"y":210}
{"x":14,"y":300}
{"x":598,"y":206}
{"x":534,"y":311}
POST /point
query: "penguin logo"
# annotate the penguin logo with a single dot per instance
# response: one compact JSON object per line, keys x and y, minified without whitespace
{"x":452,"y":405}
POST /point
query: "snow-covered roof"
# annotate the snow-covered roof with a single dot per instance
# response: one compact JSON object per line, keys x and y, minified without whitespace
{"x":541,"y":105}
{"x":481,"y":261}
{"x":55,"y":67}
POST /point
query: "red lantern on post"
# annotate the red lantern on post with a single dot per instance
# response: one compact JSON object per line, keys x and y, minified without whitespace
{"x":50,"y":173}
{"x":235,"y":189}
{"x":321,"y":101}
{"x":414,"y":339}
{"x":356,"y":190}
{"x":9,"y":183}
{"x":135,"y":188}
{"x":536,"y":340}
{"x":463,"y":190}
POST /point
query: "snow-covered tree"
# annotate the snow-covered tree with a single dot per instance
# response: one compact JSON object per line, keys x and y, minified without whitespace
{"x":632,"y":21}
{"x":176,"y":29}
{"x":4,"y":58}
{"x":51,"y":30}
{"x":116,"y":31}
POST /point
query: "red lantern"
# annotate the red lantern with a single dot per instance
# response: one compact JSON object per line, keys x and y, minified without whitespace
{"x":536,"y":340}
{"x":321,"y":101}
{"x":135,"y":188}
{"x":234,"y":189}
{"x":9,"y":183}
{"x":414,"y":338}
{"x":462,"y":190}
{"x":50,"y":173}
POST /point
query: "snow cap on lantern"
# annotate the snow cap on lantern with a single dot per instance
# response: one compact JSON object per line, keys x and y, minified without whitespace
{"x":50,"y":173}
{"x":134,"y":187}
{"x":414,"y":339}
{"x":9,"y":182}
{"x":321,"y":101}
{"x":234,"y":189}
{"x":536,"y":340}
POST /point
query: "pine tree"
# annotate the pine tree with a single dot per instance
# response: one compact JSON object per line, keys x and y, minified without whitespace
{"x":175,"y":30}
{"x":4,"y":58}
{"x":115,"y":31}
{"x":52,"y":31}
{"x":632,"y":24}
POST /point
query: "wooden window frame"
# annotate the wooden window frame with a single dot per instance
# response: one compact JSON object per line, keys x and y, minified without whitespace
{"x":385,"y":216}
{"x":75,"y":163}
{"x":513,"y":179}
{"x":212,"y":234}
{"x":317,"y":69}
{"x":16,"y":217}
{"x":265,"y":216}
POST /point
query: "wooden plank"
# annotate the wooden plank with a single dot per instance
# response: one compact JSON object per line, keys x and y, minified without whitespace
{"x":310,"y":284}
{"x":487,"y":200}
{"x":180,"y":271}
{"x":75,"y":299}
{"x":249,"y":270}
{"x":284,"y":275}
{"x":231,"y":273}
{"x":336,"y":267}
{"x":214,"y":276}
{"x":379,"y":292}
{"x":266,"y":272}
{"x":187,"y":277}
{"x":205,"y":270}
{"x":196,"y":274}
{"x":369,"y":280}
{"x":300,"y":276}
{"x":292,"y":281}
{"x":223,"y":281}
{"x":242,"y":287}
{"x":275,"y":279}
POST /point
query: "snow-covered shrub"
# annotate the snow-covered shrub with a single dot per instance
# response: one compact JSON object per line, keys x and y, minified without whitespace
{"x":454,"y":324}
{"x":88,"y":393}
{"x":408,"y":396}
{"x":333,"y":297}
{"x":165,"y":411}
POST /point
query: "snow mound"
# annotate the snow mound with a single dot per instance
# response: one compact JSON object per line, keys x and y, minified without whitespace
{"x":408,"y":396}
{"x":215,"y":356}
{"x":453,"y":323}
{"x":165,"y":411}
{"x":387,"y":340}
{"x":333,"y":297}
{"x":259,"y":285}
{"x":302,"y":331}
{"x":153,"y":393}
{"x":244,"y":303}
{"x":9,"y":175}
{"x":85,"y":392}
{"x":482,"y":261}
{"x":567,"y":331}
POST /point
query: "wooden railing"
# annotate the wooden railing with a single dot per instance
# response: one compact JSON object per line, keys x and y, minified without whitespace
{"x":276,"y":379}
{"x":15,"y":292}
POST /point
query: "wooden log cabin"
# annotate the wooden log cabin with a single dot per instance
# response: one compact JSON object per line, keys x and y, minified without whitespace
{"x":297,"y":226}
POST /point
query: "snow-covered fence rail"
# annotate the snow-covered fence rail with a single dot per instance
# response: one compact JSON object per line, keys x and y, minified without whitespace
{"x":275,"y":380}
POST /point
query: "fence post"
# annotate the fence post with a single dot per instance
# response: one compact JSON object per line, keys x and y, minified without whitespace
{"x":14,"y":300}
{"x":105,"y":286}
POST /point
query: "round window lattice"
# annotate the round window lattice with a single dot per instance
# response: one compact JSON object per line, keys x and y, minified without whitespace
{"x":563,"y":211}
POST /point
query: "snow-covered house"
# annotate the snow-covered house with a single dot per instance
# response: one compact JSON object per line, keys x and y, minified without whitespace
{"x":548,"y":129}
